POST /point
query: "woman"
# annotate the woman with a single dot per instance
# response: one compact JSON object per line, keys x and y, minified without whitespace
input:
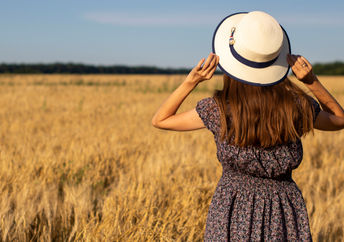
{"x":257,"y":121}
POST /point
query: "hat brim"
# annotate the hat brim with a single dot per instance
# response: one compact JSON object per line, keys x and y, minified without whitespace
{"x":266,"y":76}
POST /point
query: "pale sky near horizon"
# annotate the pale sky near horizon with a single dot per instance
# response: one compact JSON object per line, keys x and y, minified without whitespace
{"x":151,"y":32}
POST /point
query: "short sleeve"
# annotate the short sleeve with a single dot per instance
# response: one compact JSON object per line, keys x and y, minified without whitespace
{"x":209,"y":112}
{"x":316,"y":109}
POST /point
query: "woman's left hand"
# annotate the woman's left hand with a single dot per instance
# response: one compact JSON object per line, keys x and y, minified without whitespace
{"x":201,"y":73}
{"x":301,"y":68}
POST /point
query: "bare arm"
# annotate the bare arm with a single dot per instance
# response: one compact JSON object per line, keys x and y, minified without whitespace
{"x":166,"y":117}
{"x":332,"y":118}
{"x":327,"y":101}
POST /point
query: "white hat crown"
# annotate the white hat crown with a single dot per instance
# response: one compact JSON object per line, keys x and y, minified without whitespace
{"x":258,"y":37}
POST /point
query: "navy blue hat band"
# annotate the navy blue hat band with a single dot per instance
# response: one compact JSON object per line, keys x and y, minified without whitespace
{"x":248,"y":62}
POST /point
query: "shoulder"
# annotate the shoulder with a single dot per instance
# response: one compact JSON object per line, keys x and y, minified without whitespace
{"x":313,"y":103}
{"x":209,"y":111}
{"x":207,"y":106}
{"x":208,"y":102}
{"x":315,"y":107}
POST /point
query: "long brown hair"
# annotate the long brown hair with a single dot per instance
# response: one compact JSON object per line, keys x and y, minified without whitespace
{"x":263,"y":115}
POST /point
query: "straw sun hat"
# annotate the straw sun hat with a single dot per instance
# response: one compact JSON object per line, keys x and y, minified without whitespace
{"x":253,"y":48}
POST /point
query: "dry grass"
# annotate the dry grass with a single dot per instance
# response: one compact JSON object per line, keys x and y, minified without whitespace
{"x":81,"y":161}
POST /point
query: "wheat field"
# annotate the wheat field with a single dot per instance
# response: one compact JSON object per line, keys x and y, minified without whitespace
{"x":80,"y":160}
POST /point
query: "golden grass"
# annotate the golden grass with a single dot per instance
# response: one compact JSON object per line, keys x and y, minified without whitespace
{"x":81,"y":161}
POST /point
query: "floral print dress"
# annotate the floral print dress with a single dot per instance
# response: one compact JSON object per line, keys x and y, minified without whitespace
{"x":256,"y":198}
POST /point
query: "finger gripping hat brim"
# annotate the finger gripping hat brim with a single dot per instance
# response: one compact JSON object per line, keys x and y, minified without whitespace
{"x":240,"y":69}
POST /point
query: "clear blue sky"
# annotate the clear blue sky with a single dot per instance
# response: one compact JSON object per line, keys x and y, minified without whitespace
{"x":153,"y":32}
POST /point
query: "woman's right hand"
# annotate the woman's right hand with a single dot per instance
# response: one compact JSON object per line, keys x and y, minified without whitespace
{"x":301,"y":68}
{"x":201,"y":73}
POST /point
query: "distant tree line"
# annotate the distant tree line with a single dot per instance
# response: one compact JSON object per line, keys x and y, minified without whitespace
{"x":333,"y":68}
{"x":72,"y":68}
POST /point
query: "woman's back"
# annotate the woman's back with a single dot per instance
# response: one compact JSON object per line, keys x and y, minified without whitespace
{"x":270,"y":162}
{"x":256,"y":191}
